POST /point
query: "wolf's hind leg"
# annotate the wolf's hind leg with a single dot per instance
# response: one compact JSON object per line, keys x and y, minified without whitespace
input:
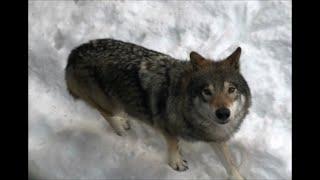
{"x":174,"y":156}
{"x":110,"y":111}
{"x":81,"y":84}
{"x":117,"y":120}
{"x":107,"y":109}
{"x":118,"y":123}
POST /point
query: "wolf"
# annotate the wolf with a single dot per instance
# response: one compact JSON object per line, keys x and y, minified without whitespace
{"x":196,"y":100}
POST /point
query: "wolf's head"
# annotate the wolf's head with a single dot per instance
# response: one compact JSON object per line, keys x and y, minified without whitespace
{"x":218,"y":97}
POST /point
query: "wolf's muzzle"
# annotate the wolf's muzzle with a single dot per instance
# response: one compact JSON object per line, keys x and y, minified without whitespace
{"x":223,"y":115}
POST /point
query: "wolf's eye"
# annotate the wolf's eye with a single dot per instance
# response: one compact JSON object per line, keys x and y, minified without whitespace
{"x":231,"y":90}
{"x":206,"y":92}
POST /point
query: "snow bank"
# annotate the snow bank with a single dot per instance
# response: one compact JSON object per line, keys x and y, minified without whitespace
{"x":67,"y":139}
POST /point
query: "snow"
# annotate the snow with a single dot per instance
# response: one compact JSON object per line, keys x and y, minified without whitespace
{"x":68,"y":139}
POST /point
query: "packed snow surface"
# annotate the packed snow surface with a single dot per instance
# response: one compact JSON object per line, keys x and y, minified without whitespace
{"x":70,"y":140}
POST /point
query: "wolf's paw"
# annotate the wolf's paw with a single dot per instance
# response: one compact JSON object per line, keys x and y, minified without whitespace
{"x":120,"y":125}
{"x":179,"y":164}
{"x":236,"y":176}
{"x":125,"y":123}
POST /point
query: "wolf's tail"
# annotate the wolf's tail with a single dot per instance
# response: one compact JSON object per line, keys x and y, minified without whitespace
{"x":69,"y":75}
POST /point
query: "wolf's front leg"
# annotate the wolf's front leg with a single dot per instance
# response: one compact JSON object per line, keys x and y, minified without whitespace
{"x":174,"y":156}
{"x":225,"y":156}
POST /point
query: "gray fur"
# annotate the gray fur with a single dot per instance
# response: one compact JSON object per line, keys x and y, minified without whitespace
{"x":155,"y":88}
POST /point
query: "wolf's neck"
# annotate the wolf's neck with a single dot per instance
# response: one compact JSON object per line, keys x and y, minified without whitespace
{"x":176,"y":99}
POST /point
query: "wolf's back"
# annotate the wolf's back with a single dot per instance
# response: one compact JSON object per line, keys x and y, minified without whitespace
{"x":114,"y":67}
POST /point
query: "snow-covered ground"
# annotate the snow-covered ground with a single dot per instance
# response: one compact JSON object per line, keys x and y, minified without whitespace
{"x":67,"y":139}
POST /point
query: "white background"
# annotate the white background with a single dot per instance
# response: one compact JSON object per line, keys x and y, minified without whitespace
{"x":68,"y":139}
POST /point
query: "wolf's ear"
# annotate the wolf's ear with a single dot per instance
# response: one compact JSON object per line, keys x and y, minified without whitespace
{"x":233,"y":59}
{"x":197,"y":60}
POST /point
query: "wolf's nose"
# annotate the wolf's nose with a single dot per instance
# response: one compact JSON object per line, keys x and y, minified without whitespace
{"x":223,"y":114}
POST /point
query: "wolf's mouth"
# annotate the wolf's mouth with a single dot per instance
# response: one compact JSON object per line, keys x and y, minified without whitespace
{"x":223,"y":121}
